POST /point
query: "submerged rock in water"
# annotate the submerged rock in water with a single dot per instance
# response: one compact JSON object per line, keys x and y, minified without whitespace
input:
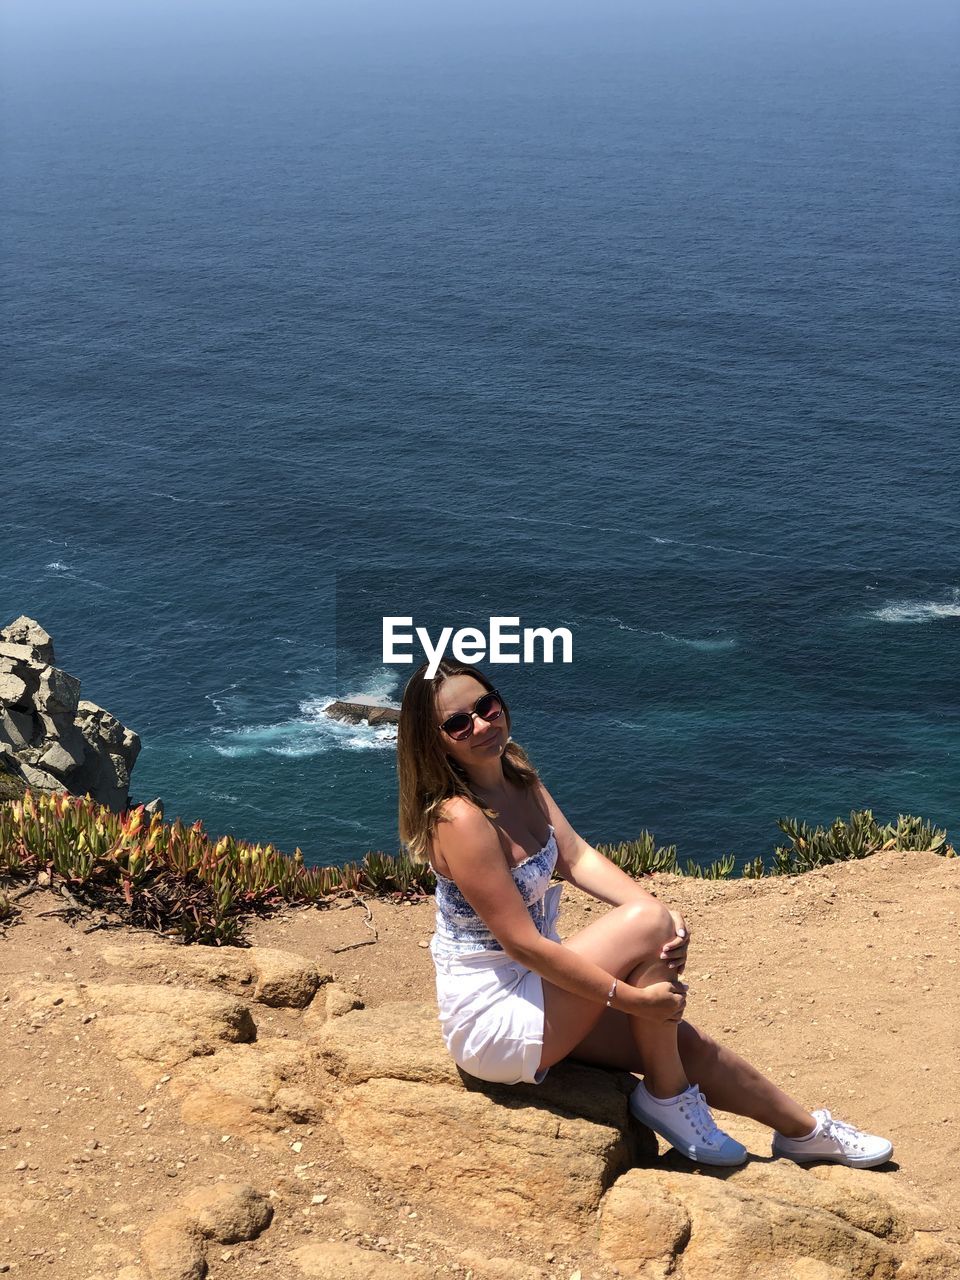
{"x":361,"y":709}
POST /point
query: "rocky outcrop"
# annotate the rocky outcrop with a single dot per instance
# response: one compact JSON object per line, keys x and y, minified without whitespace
{"x":544,"y":1154}
{"x":262,"y":974}
{"x":252,"y":1042}
{"x":174,"y":1245}
{"x":360,"y":709}
{"x":50,"y":738}
{"x":559,"y":1155}
{"x":776,"y":1219}
{"x":206,"y":1042}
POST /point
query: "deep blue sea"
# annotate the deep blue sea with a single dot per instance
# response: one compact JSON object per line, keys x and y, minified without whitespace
{"x":638,"y":319}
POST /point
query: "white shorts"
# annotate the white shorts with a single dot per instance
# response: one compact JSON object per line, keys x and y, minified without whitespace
{"x":491,"y":1009}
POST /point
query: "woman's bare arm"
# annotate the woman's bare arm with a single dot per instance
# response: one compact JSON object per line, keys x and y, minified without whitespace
{"x":589,"y":870}
{"x":473,"y":855}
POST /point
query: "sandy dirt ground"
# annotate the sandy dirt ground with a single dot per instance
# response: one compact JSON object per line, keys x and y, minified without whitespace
{"x":841,"y":984}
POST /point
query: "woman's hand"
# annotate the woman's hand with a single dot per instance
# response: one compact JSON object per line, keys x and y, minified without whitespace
{"x":675,"y":952}
{"x":660,"y":1002}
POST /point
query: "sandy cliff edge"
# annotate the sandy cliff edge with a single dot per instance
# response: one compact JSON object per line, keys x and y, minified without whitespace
{"x":841,"y":984}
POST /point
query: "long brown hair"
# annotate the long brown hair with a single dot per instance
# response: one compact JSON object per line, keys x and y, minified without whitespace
{"x":427,"y":775}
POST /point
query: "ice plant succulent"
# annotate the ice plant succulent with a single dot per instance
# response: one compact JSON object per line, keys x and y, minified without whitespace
{"x":178,"y":880}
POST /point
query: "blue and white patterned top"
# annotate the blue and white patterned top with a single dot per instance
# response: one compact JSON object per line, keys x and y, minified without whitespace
{"x":459,"y":930}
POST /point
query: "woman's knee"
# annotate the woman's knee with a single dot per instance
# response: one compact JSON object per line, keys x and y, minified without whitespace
{"x":628,"y":935}
{"x":650,"y":922}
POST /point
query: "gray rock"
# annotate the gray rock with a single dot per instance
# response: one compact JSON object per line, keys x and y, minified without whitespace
{"x":56,"y":759}
{"x":40,"y":779}
{"x":13,"y":690}
{"x":16,"y":727}
{"x":58,"y":692}
{"x":51,"y":739}
{"x":18,"y":652}
{"x":94,"y":719}
{"x":130,"y":746}
{"x":62,"y":731}
{"x":25,"y":631}
{"x":120,"y":771}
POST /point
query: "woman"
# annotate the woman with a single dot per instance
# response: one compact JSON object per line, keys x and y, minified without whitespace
{"x":514,"y":999}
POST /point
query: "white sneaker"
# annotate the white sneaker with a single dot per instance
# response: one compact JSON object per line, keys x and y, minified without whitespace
{"x":686,"y":1123}
{"x":837,"y":1141}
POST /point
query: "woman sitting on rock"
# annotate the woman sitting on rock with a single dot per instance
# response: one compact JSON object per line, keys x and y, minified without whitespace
{"x":514,"y":998}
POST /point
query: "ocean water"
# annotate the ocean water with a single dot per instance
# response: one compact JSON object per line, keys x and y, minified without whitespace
{"x":644,"y":325}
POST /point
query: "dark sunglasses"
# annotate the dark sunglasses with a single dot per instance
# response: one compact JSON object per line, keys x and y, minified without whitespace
{"x":488,"y":707}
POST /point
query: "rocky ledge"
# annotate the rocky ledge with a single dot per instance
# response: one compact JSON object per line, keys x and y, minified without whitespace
{"x":50,"y":738}
{"x":374,"y":1090}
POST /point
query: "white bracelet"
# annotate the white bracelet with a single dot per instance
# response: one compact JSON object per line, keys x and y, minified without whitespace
{"x":612,"y":992}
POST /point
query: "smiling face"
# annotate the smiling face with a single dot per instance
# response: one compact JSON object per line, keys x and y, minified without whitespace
{"x":486,"y":740}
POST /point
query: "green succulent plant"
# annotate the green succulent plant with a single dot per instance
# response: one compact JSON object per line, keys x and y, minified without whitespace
{"x":178,"y":880}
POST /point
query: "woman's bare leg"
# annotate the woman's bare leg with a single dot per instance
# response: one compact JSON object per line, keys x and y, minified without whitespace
{"x":627,"y":941}
{"x":728,"y":1081}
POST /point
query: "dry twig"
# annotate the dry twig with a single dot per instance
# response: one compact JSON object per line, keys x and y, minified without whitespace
{"x":368,"y":921}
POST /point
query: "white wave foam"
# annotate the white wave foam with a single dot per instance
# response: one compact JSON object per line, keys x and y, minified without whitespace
{"x":381,"y":684}
{"x":719,"y":645}
{"x":919,"y":610}
{"x":59,"y":566}
{"x":338,"y":820}
{"x":311,"y":731}
{"x":722,"y":645}
{"x":692,"y":642}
